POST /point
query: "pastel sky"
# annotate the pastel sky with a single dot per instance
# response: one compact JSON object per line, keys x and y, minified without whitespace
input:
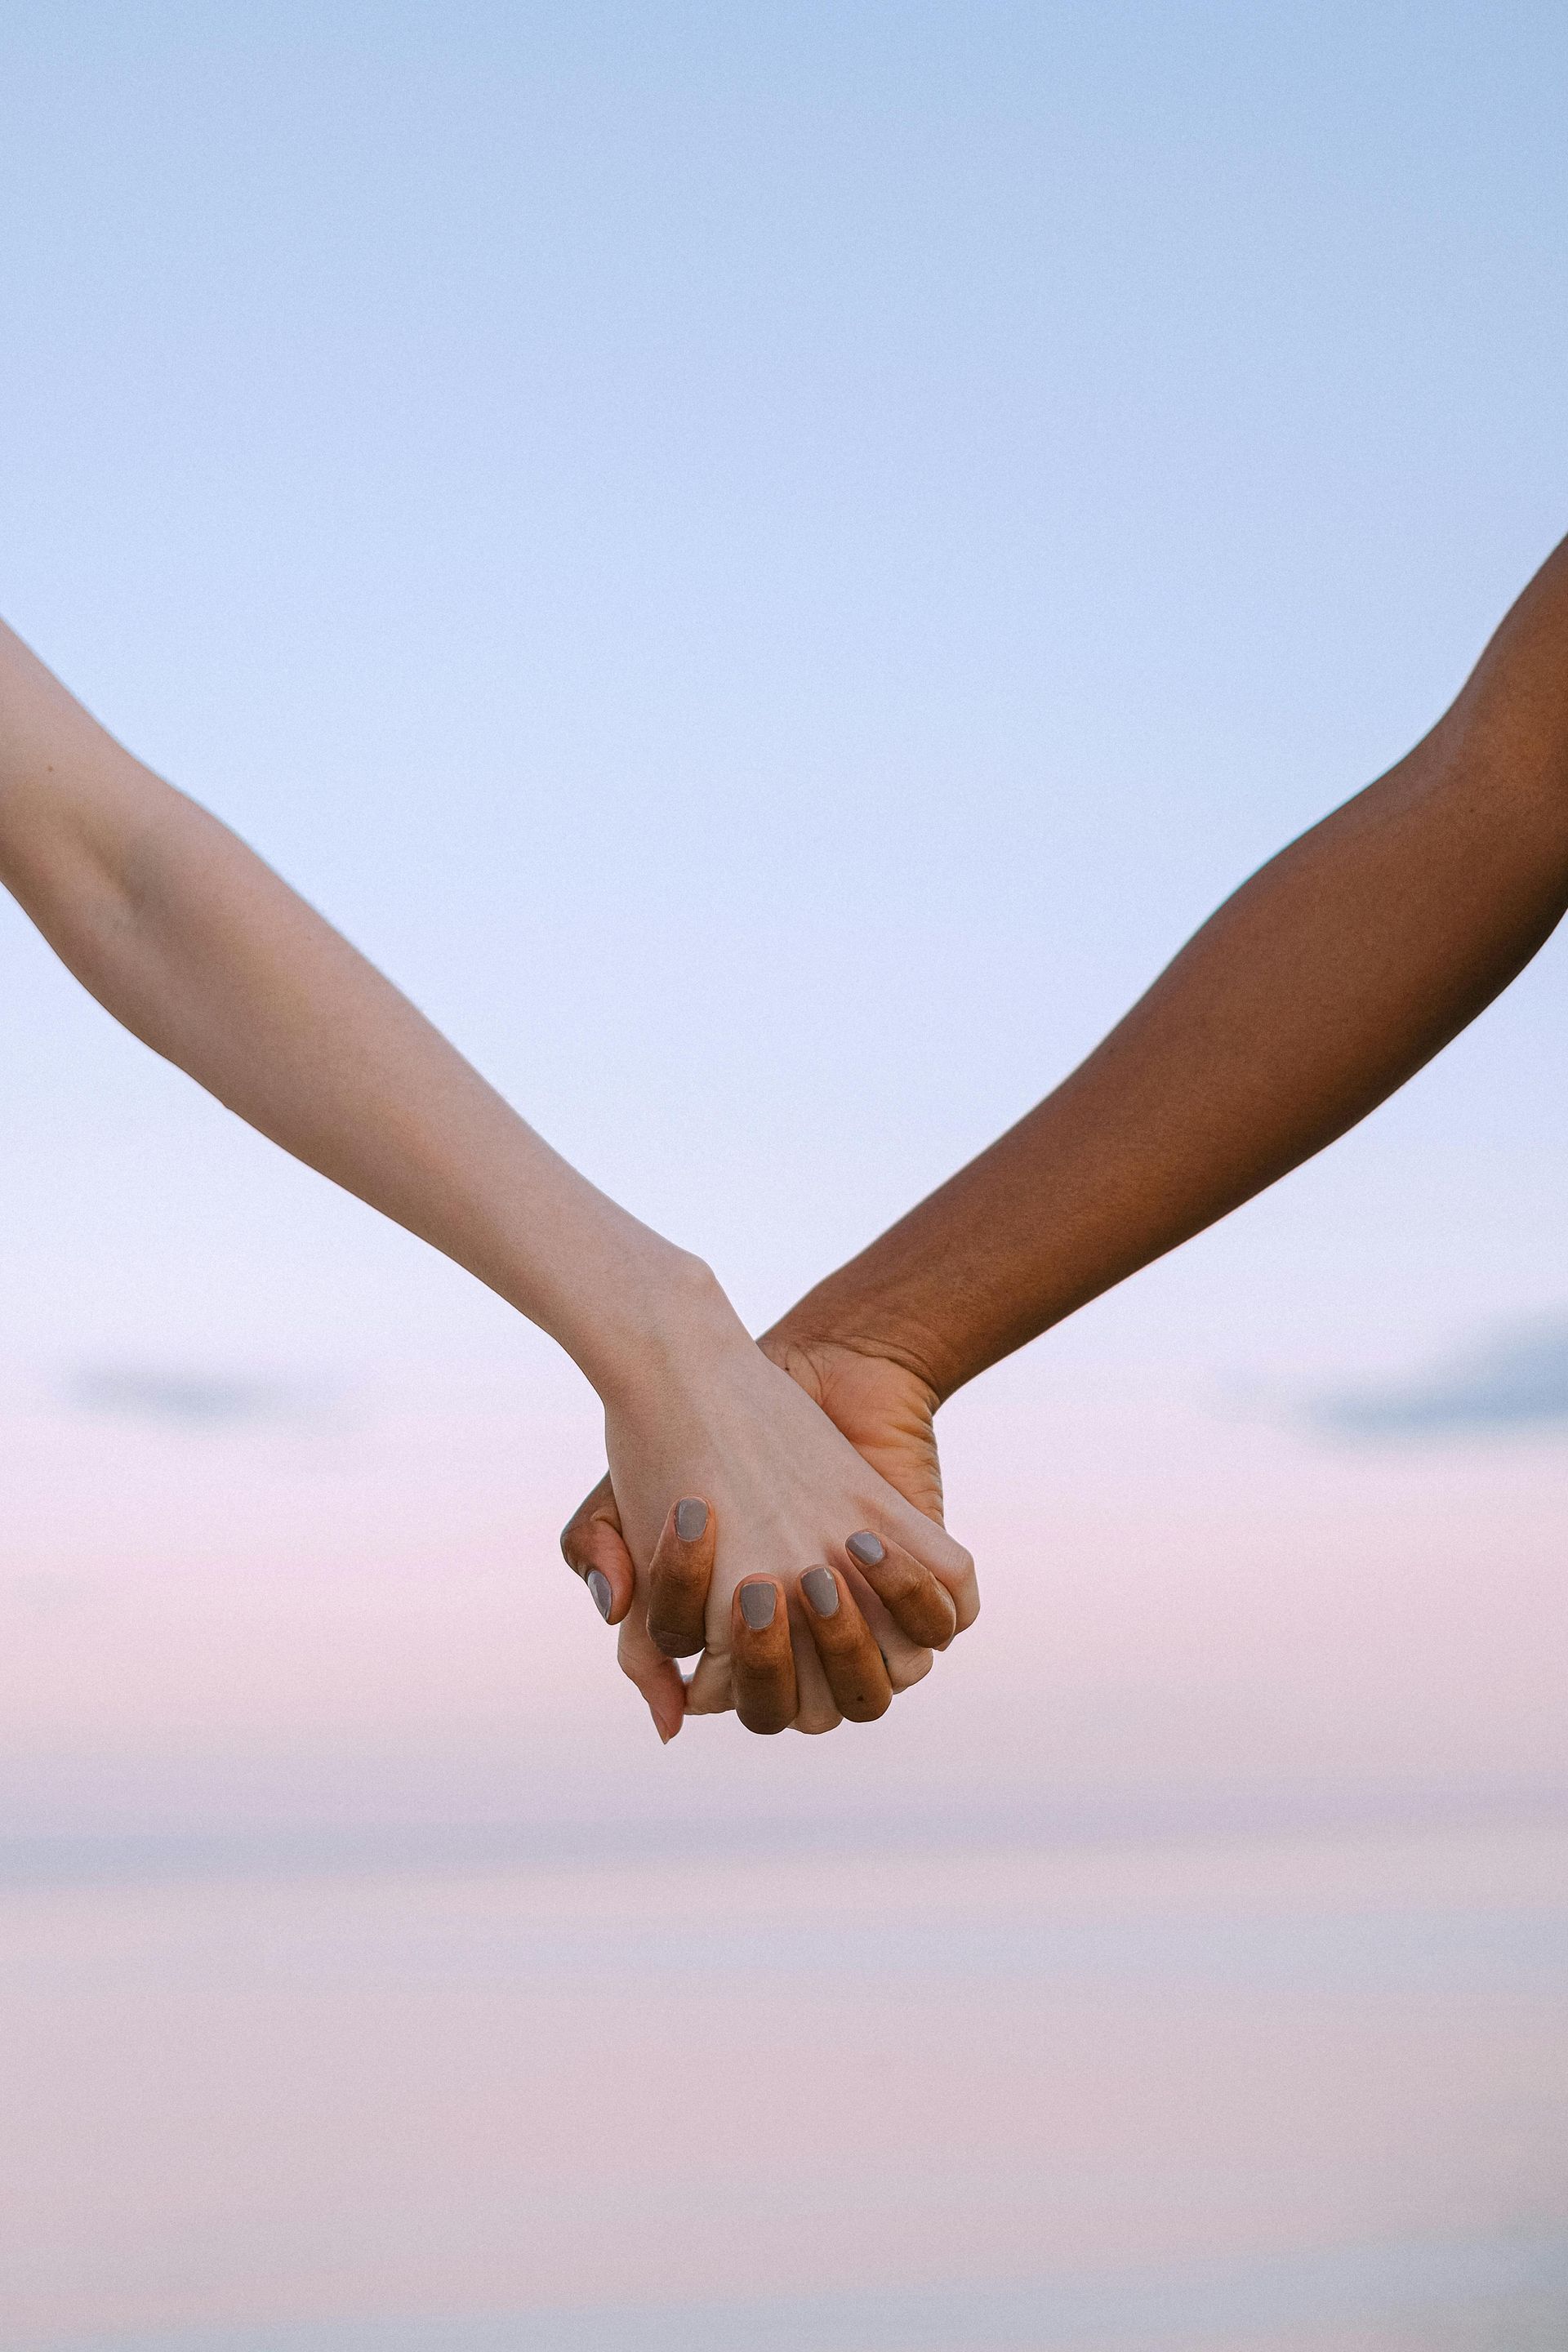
{"x":770,"y":562}
{"x":770,"y":565}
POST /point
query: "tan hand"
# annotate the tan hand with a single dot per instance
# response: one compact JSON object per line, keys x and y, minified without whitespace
{"x":887,"y":1605}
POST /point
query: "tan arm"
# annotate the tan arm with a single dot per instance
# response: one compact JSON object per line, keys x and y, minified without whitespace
{"x":1325,"y":982}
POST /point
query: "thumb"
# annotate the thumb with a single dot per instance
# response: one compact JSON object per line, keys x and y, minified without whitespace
{"x":657,"y":1677}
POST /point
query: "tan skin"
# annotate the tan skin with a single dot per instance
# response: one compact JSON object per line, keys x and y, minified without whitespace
{"x":1328,"y":978}
{"x":886,"y":1410}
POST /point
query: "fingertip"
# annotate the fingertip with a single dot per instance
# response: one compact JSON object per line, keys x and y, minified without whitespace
{"x":595,"y":1552}
{"x":691,"y":1518}
{"x":666,"y":1695}
{"x":913,"y":1595}
{"x":819,"y":1586}
{"x":758,"y":1602}
{"x":609,"y":1576}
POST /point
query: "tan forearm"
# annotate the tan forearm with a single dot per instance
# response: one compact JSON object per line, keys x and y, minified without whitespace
{"x":1314,"y":993}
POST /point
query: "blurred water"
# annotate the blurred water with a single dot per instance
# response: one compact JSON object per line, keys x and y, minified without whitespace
{"x":1301,"y":2091}
{"x":1184,"y":1965}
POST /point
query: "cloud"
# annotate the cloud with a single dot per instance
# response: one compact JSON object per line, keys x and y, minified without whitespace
{"x":193,"y":1398}
{"x":1516,"y":1381}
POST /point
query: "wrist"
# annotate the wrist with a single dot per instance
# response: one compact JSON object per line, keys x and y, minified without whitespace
{"x":663,"y":1309}
{"x":872,"y":1393}
{"x":823,"y":1324}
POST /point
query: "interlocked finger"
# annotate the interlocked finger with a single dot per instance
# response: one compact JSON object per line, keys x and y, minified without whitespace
{"x":593,"y":1547}
{"x":856,"y":1671}
{"x":762,"y":1661}
{"x":677,"y":1579}
{"x":816,"y":1710}
{"x":915,"y":1599}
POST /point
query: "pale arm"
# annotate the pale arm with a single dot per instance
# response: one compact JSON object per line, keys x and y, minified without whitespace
{"x":192,"y":942}
{"x":198,"y":948}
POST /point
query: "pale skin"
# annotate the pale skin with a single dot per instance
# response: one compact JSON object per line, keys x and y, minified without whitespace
{"x":1328,"y":978}
{"x":201,"y":950}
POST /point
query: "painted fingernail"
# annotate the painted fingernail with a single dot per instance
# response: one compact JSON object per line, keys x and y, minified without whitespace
{"x":757,"y":1605}
{"x":598,"y":1584}
{"x":868,"y":1549}
{"x":690,"y":1520}
{"x":821,"y":1589}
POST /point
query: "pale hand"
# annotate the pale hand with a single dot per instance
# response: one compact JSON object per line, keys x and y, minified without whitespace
{"x":890,"y":1484}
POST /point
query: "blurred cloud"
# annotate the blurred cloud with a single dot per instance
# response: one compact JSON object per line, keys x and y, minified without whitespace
{"x":1517,"y":1379}
{"x":191,"y":1397}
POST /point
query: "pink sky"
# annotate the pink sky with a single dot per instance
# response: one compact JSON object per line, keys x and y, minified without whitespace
{"x":368,"y":1620}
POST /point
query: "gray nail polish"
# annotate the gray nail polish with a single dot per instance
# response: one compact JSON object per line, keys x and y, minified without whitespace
{"x":821,"y":1590}
{"x":598,"y":1584}
{"x":868,"y":1549}
{"x":757,"y":1601}
{"x":690,"y":1520}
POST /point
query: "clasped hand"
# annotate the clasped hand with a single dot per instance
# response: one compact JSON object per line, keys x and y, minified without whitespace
{"x":775,"y":1507}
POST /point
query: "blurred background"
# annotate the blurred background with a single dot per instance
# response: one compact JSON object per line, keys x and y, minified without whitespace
{"x":770,"y":562}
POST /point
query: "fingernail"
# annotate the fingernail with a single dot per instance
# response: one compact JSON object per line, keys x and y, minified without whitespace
{"x":820,"y":1587}
{"x":868,"y":1549}
{"x":598,"y":1584}
{"x":757,"y":1605}
{"x":690,"y":1520}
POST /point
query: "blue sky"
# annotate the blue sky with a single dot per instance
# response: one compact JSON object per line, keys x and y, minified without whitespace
{"x":770,"y":563}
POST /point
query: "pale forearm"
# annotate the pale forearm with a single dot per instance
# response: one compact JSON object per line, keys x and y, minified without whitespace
{"x":200,"y":950}
{"x":1306,"y":999}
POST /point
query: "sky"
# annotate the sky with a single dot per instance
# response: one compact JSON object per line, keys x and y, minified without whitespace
{"x":770,"y":564}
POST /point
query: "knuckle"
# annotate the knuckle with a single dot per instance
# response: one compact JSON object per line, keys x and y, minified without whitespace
{"x":834,"y":1638}
{"x":672,"y":1638}
{"x":909,"y":1667}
